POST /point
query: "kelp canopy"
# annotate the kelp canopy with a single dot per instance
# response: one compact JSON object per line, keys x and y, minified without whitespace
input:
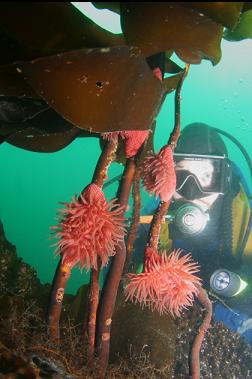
{"x":62,"y":76}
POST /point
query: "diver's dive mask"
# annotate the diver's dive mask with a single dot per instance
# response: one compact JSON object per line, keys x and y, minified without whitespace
{"x":197,"y":176}
{"x":201,"y":175}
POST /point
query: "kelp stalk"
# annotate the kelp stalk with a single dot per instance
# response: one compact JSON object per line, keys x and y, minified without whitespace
{"x":63,"y":272}
{"x":106,"y":157}
{"x":110,"y":289}
{"x":60,"y":279}
{"x":173,"y":139}
{"x":156,"y":223}
{"x":195,"y":352}
{"x":100,"y":174}
{"x":132,"y":234}
{"x":93,"y":305}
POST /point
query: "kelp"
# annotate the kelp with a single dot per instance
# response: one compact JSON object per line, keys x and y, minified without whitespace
{"x":13,"y":109}
{"x":243,"y":29}
{"x":99,"y":84}
{"x":31,"y":30}
{"x":12,"y":84}
{"x":224,"y":13}
{"x":228,"y":14}
{"x":171,"y":26}
{"x":22,"y":126}
{"x":99,"y":90}
{"x":46,"y":133}
{"x":34,"y":140}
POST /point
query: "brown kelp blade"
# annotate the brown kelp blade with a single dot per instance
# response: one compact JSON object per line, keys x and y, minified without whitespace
{"x":16,"y":109}
{"x":243,"y":29}
{"x":163,"y":26}
{"x":225,"y":13}
{"x":99,"y":90}
{"x":30,"y":30}
{"x":13,"y":84}
{"x":47,"y":132}
{"x":37,"y":141}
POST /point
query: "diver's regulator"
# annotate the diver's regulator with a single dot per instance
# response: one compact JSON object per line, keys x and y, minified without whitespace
{"x":189,"y":219}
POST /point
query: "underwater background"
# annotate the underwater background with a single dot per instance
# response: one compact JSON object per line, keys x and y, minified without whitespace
{"x":33,"y":184}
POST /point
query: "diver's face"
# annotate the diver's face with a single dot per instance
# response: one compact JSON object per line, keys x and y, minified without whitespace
{"x":202,"y":170}
{"x":194,"y":179}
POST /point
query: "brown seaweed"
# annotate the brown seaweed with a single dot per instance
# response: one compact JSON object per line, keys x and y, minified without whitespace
{"x":171,"y":27}
{"x":99,"y":90}
{"x":31,"y":30}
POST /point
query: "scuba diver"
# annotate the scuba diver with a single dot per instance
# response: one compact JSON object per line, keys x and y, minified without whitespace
{"x":210,"y":217}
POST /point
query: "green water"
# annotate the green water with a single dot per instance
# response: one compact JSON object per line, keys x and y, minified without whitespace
{"x":33,"y":184}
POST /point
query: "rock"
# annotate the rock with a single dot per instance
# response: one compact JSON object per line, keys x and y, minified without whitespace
{"x":16,"y":276}
{"x":14,"y":366}
{"x":141,"y":332}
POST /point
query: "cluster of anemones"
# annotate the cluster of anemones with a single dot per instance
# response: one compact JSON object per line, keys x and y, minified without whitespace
{"x":167,"y":283}
{"x":133,"y":140}
{"x":159,"y":175}
{"x":89,"y":228}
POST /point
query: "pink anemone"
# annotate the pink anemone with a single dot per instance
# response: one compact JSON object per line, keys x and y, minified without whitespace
{"x":168,"y":284}
{"x":89,"y":228}
{"x":133,"y":140}
{"x":159,"y":175}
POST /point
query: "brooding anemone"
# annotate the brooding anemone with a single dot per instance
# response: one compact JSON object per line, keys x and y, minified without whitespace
{"x":167,"y":284}
{"x":89,"y":228}
{"x":159,"y":175}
